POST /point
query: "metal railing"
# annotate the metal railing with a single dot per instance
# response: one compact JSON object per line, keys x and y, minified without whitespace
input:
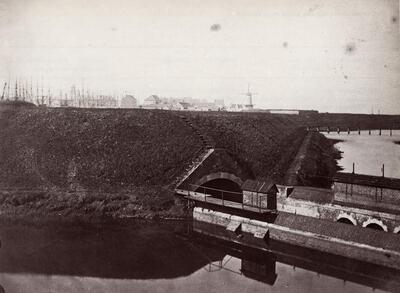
{"x":194,"y":190}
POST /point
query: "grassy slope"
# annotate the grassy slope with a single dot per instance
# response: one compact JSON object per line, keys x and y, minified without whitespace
{"x":263,"y":144}
{"x":319,"y":164}
{"x":95,"y":149}
{"x":91,"y":163}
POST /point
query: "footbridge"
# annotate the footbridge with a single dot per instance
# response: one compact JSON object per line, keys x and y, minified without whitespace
{"x":349,"y":130}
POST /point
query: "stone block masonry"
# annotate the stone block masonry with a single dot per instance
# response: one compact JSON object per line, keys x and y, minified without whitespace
{"x":374,"y":252}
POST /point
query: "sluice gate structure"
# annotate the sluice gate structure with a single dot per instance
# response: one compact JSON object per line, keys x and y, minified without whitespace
{"x":357,"y":218}
{"x":255,"y":213}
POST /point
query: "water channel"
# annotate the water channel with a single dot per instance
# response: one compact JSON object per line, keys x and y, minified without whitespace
{"x":369,"y":151}
{"x":168,"y":257}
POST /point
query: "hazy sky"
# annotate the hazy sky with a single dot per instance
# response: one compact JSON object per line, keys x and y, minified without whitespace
{"x":331,"y":55}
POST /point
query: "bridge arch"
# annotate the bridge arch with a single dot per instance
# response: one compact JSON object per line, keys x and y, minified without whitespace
{"x":375,"y":224}
{"x":346,"y":219}
{"x":221,"y":185}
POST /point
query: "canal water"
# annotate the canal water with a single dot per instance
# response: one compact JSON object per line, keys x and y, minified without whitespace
{"x":369,"y":152}
{"x":154,"y":257}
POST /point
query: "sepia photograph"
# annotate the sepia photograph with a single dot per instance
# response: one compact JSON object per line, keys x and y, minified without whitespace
{"x":199,"y":146}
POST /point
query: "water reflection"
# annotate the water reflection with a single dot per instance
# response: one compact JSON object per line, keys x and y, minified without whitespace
{"x":133,"y":251}
{"x":267,"y":266}
{"x":165,"y":258}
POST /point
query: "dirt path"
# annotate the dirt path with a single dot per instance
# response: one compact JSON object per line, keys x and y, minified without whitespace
{"x":291,"y":174}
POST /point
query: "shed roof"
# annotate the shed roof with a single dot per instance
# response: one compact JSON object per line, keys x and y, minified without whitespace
{"x":367,"y":180}
{"x":259,"y":186}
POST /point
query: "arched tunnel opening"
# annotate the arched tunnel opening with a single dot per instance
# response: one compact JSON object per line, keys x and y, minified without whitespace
{"x":222,"y":188}
{"x":375,"y":227}
{"x":345,"y":221}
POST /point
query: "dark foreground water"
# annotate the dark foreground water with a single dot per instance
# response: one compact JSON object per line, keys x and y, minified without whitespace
{"x":146,"y":257}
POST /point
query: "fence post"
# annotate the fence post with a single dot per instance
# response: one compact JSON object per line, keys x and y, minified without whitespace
{"x":222,"y":193}
{"x":204,"y":192}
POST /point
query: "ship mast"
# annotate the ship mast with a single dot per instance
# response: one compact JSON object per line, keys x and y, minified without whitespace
{"x":16,"y":90}
{"x":4,"y":89}
{"x":8,"y":88}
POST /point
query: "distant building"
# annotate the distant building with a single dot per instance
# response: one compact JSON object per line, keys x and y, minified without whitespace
{"x":129,"y":101}
{"x":236,"y":107}
{"x":152,"y":100}
{"x":101,"y":101}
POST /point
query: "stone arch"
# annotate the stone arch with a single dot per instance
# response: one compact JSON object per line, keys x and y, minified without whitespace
{"x":222,"y":185}
{"x":396,"y":230}
{"x":374,"y":221}
{"x":346,"y":217}
{"x":219,"y":175}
